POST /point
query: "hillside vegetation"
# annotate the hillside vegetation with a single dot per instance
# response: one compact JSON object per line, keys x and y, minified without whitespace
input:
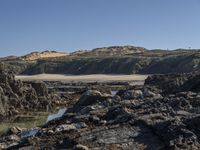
{"x":107,"y":60}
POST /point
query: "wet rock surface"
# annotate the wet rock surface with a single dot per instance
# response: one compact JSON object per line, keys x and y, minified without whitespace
{"x":163,"y":114}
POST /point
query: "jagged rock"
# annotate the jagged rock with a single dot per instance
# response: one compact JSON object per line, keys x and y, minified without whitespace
{"x":179,"y":103}
{"x":92,"y":93}
{"x":167,"y":83}
{"x":69,"y":127}
{"x":117,"y":115}
{"x":148,"y":93}
{"x":94,"y":119}
{"x":65,"y":128}
{"x":152,"y":116}
{"x":39,"y":87}
{"x":174,"y":83}
{"x":88,"y":109}
{"x":2,"y":104}
{"x":13,"y":130}
{"x":80,"y":147}
{"x":130,"y":94}
{"x":176,"y":135}
{"x":13,"y":137}
{"x":26,"y":133}
{"x":90,"y":97}
{"x":16,"y":95}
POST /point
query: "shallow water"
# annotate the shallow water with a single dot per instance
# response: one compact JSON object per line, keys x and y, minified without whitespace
{"x":25,"y":120}
{"x":59,"y":114}
{"x":31,"y":120}
{"x":113,"y":93}
{"x":29,"y":132}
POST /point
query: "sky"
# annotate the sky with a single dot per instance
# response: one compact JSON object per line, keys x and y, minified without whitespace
{"x":69,"y":25}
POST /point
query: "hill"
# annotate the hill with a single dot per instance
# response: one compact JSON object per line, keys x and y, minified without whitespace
{"x":107,"y":60}
{"x":45,"y":54}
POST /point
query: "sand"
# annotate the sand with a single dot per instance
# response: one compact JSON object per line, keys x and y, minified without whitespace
{"x":92,"y":77}
{"x":45,"y":54}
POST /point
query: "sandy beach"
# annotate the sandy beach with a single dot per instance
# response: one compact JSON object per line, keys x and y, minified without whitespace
{"x":92,"y":77}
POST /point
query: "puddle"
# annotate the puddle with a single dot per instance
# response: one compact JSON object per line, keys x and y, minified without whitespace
{"x":27,"y":120}
{"x":113,"y":93}
{"x":59,"y":114}
{"x":29,"y":132}
{"x":30,"y":120}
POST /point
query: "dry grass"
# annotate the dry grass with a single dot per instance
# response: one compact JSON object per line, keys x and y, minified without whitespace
{"x":45,"y":54}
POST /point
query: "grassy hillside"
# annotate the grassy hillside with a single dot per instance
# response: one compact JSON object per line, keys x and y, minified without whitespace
{"x":111,"y":60}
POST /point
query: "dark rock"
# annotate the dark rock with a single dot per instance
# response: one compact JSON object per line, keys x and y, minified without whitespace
{"x":90,"y":97}
{"x":176,"y":135}
{"x":130,"y":94}
{"x":16,"y":96}
{"x":13,"y":130}
{"x":80,"y":147}
{"x":192,"y":84}
{"x":39,"y":87}
{"x":163,"y":114}
{"x":170,"y":83}
{"x":94,"y":119}
{"x":117,"y":114}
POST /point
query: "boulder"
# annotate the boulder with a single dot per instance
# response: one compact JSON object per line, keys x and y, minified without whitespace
{"x":39,"y":87}
{"x":170,"y":83}
{"x":176,"y":135}
{"x":80,"y":147}
{"x":2,"y":103}
{"x":88,"y":98}
{"x":20,"y":95}
{"x":130,"y":94}
{"x":117,"y":114}
{"x":70,"y":127}
{"x":13,"y":130}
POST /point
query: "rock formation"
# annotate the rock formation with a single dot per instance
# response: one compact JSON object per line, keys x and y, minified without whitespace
{"x":151,"y":117}
{"x":16,"y":96}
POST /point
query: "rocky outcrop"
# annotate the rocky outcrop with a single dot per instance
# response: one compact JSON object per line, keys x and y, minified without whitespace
{"x":3,"y":104}
{"x":139,"y":118}
{"x":173,"y":83}
{"x":193,"y":83}
{"x":16,"y":96}
{"x":162,"y":114}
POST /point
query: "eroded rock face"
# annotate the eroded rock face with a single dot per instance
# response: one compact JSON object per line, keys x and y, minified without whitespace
{"x":16,"y":96}
{"x":130,"y":94}
{"x":167,"y":83}
{"x":89,"y":98}
{"x":2,"y":103}
{"x":39,"y":87}
{"x":174,"y":83}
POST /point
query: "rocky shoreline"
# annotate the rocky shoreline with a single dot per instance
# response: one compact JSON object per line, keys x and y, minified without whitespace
{"x":164,"y":113}
{"x":17,"y":96}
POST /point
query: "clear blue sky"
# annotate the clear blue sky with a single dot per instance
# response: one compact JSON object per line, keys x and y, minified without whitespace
{"x":68,"y":25}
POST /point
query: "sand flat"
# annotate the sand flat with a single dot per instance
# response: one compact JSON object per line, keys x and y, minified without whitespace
{"x":92,"y":77}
